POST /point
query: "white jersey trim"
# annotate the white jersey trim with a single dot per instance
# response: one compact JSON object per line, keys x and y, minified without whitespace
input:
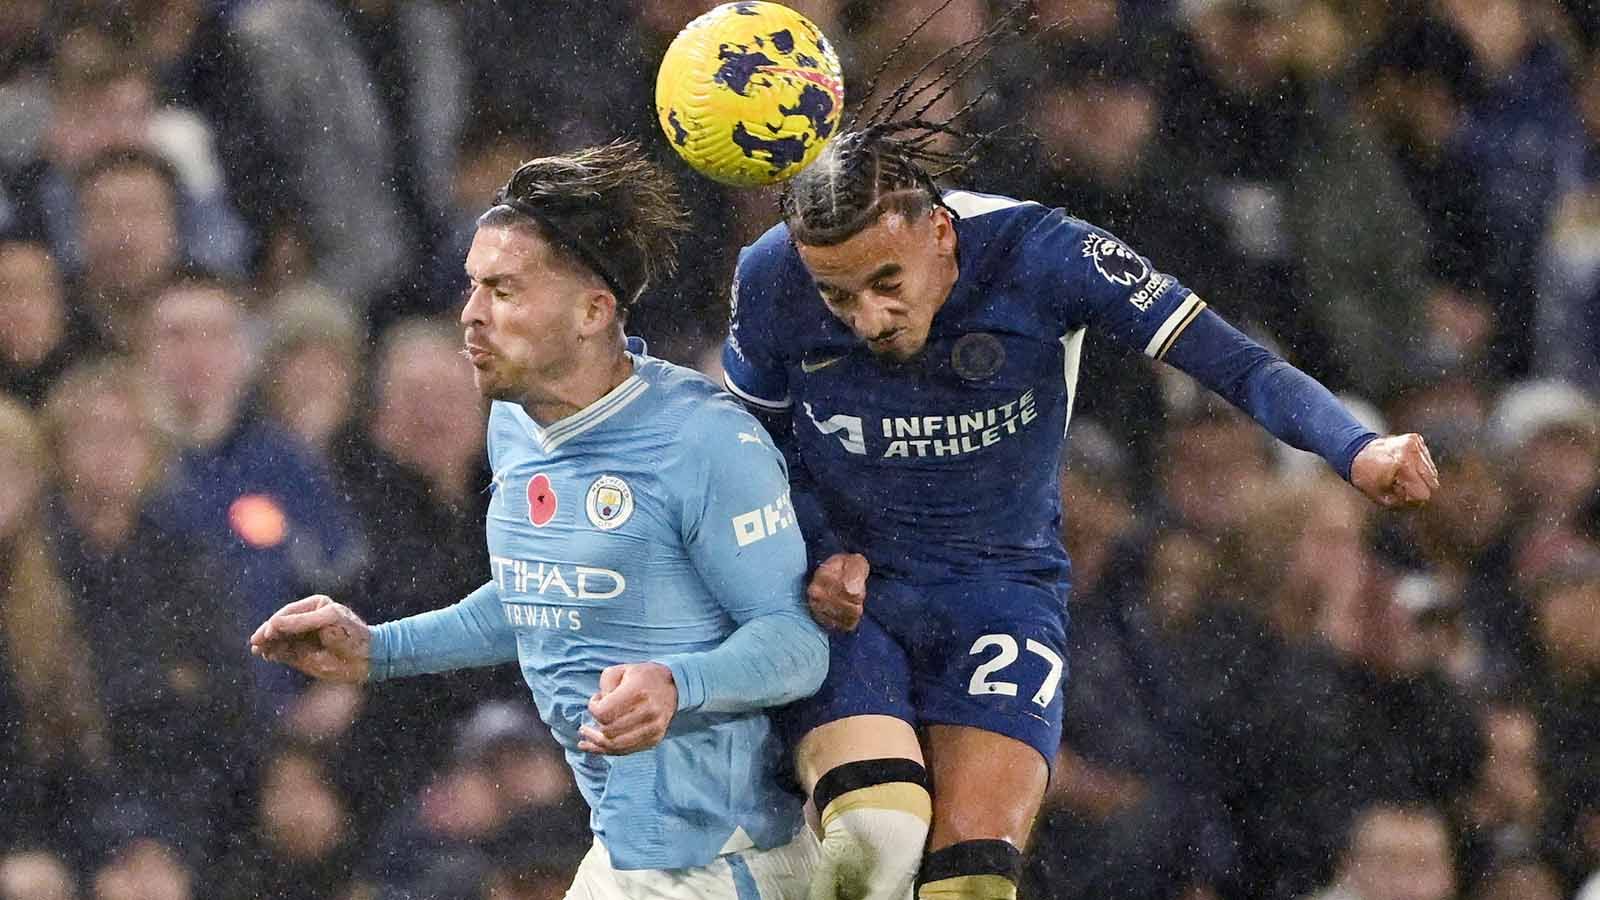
{"x":584,"y":420}
{"x":969,"y":205}
{"x":1187,"y":312}
{"x":1071,"y":360}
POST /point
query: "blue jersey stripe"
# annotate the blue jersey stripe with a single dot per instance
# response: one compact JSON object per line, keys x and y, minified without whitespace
{"x":744,"y":882}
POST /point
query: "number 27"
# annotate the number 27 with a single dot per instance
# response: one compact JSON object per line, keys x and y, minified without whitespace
{"x":980,"y":683}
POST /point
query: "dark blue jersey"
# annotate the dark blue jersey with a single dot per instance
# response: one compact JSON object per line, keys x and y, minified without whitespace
{"x":946,"y":466}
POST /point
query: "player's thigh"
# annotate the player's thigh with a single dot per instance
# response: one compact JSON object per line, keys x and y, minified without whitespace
{"x":988,"y":692}
{"x":986,"y":786}
{"x":853,"y":739}
{"x":863,"y":710}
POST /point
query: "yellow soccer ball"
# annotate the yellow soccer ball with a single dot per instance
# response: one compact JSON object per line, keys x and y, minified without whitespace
{"x":749,"y":93}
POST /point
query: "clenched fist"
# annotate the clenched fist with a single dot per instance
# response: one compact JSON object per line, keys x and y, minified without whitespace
{"x":837,"y":593}
{"x":632,"y":709}
{"x":1396,"y":471}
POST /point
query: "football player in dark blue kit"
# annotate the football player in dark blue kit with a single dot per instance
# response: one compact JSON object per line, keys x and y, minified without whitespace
{"x":915,"y":351}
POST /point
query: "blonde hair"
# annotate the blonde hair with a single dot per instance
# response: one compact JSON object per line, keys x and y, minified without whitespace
{"x":118,"y":375}
{"x":46,"y":654}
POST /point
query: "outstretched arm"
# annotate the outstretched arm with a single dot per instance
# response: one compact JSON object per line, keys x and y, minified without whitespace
{"x":1392,"y":471}
{"x":327,"y":640}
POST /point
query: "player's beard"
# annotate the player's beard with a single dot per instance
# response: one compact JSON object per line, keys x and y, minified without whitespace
{"x":492,"y":384}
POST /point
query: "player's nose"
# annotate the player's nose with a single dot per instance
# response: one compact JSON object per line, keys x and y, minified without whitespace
{"x":870,"y":320}
{"x":475,"y":310}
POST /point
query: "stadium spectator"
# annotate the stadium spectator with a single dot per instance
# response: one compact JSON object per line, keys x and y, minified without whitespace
{"x":24,"y":85}
{"x":137,"y":853}
{"x":1503,"y":814}
{"x":1552,"y":430}
{"x":243,"y":490}
{"x":172,"y":682}
{"x":35,"y":875}
{"x":1140,"y":805}
{"x":1521,"y":140}
{"x":1211,"y":461}
{"x":1456,"y":553}
{"x":53,"y":742}
{"x":490,"y":147}
{"x":1521,"y":879}
{"x":419,"y":468}
{"x":1394,"y":853}
{"x":1352,"y":691}
{"x":100,"y":102}
{"x":1095,"y":115}
{"x":313,"y":366}
{"x":128,"y":226}
{"x":364,"y":134}
{"x":1332,"y":280}
{"x":503,"y":777}
{"x":302,"y":844}
{"x":536,"y":858}
{"x":1566,"y":697}
{"x":1101,"y":523}
{"x":41,"y":336}
{"x":1567,"y":337}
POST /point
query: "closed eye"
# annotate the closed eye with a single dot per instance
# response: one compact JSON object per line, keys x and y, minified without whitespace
{"x":834,"y":297}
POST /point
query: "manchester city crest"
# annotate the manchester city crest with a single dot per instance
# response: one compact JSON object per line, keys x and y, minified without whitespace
{"x":977,"y":356}
{"x":610,"y":502}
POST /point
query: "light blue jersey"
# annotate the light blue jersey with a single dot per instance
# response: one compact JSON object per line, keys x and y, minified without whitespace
{"x":653,"y":525}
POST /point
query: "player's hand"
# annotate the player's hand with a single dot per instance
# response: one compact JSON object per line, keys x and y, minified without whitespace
{"x":838,"y":591}
{"x":319,"y":637}
{"x":1396,"y":471}
{"x":632,"y":709}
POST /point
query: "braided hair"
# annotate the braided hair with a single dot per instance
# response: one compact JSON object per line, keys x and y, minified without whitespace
{"x":887,"y":160}
{"x":607,"y":209}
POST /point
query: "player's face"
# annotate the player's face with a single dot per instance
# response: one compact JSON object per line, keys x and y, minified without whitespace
{"x":521,"y":316}
{"x":889,"y":280}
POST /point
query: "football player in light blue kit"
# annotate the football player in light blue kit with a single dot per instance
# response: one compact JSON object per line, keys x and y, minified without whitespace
{"x":646,"y":569}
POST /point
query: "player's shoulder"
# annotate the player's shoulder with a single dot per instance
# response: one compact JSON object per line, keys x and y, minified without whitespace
{"x":1003,"y":231}
{"x":690,"y":406}
{"x":772,"y":250}
{"x":768,"y":270}
{"x":992,"y":216}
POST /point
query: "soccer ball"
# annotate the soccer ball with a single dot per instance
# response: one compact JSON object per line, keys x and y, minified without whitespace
{"x":749,"y":93}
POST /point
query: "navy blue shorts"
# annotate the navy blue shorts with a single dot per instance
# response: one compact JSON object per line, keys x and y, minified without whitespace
{"x":991,"y":655}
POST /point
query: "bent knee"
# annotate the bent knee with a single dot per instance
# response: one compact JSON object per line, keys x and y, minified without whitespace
{"x":875,"y":817}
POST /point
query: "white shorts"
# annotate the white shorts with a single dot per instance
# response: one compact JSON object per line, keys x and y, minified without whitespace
{"x":782,"y":873}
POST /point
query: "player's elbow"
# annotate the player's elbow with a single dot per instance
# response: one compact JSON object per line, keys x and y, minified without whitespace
{"x":816,"y":658}
{"x":808,"y":659}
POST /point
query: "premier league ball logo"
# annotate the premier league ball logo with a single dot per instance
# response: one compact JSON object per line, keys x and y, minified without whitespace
{"x":1116,"y":263}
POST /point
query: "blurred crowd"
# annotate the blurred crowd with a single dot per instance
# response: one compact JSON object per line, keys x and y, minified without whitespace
{"x":231,"y":234}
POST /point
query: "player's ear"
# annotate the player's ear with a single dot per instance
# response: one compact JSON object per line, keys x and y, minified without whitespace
{"x":598,"y":311}
{"x":944,"y":231}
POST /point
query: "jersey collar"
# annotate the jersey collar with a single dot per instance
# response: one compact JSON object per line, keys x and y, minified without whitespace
{"x":587,"y":419}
